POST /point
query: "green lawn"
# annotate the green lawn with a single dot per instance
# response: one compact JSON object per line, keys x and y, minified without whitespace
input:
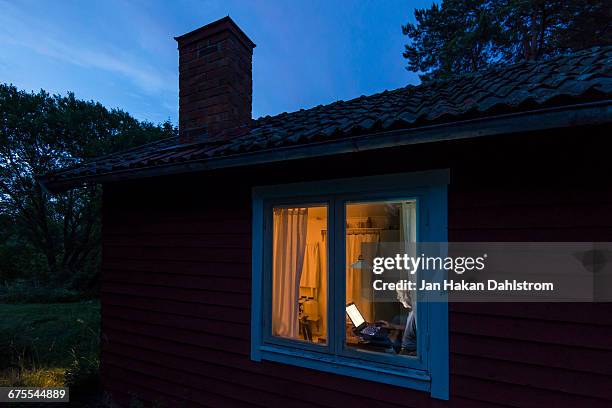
{"x":48,"y":344}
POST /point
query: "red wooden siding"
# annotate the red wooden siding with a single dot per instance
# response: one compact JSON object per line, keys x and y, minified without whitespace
{"x":176,"y":284}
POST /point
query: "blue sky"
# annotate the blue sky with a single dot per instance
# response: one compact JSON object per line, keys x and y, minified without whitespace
{"x":122,"y":53}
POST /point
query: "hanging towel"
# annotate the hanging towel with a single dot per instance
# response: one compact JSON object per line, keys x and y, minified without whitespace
{"x":358,"y":286}
{"x":311,"y":268}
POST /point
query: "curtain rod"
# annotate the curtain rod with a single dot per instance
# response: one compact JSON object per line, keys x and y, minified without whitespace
{"x":357,"y":231}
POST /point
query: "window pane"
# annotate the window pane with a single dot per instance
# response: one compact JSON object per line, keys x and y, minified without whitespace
{"x":299,"y":273}
{"x":378,"y":325}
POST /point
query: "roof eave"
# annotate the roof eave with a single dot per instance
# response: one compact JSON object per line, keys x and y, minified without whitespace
{"x":549,"y":118}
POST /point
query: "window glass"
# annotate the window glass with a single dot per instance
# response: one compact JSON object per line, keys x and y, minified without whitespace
{"x":299,"y":273}
{"x":375,"y":323}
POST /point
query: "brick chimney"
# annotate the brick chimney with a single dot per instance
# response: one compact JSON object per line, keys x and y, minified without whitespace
{"x":215,"y":82}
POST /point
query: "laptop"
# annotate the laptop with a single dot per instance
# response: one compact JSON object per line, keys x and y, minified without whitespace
{"x":361,"y":326}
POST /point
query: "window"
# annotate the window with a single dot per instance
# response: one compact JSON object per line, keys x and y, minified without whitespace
{"x":299,"y":273}
{"x":368,"y":224}
{"x":313,"y":300}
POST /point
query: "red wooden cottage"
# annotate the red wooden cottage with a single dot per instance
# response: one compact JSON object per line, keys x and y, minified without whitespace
{"x":230,"y":253}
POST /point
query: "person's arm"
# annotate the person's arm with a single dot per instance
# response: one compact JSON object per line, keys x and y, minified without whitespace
{"x":409,"y":339}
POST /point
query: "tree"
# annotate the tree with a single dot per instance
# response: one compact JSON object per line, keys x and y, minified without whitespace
{"x":461,"y":36}
{"x":40,"y":133}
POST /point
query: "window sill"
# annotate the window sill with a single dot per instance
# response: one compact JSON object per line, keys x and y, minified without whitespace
{"x":398,"y":376}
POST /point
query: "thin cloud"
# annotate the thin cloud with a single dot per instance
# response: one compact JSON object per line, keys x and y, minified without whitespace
{"x":35,"y":37}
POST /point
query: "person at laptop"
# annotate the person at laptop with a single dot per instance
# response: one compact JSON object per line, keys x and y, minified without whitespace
{"x":379,"y":334}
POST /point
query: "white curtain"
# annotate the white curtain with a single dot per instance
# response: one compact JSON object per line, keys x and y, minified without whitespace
{"x":323,"y":284}
{"x":358,"y":290}
{"x":408,"y":236}
{"x":289,"y":245}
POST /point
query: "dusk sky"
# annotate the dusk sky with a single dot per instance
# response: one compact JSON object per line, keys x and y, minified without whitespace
{"x":122,"y":53}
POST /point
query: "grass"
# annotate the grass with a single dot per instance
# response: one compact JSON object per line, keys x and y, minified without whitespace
{"x":49,"y":345}
{"x":29,"y":292}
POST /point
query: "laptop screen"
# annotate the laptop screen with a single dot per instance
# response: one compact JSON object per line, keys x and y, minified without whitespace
{"x":354,"y":314}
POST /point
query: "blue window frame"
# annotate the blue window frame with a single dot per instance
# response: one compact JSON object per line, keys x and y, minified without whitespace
{"x":428,"y":371}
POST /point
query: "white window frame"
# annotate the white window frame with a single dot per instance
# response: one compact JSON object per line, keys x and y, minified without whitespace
{"x":426,"y":372}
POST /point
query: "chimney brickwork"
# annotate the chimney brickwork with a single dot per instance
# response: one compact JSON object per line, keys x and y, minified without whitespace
{"x":215,"y":82}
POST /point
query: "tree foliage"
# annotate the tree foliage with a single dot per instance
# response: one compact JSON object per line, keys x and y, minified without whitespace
{"x":460,"y":36}
{"x":56,"y":238}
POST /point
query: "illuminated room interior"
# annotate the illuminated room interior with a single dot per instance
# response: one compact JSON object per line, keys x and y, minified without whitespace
{"x":299,"y":293}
